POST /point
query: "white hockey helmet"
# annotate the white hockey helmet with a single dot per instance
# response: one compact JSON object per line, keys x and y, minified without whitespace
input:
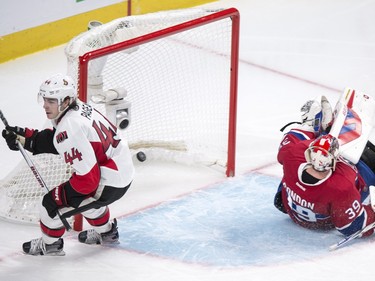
{"x":316,"y":115}
{"x":322,"y":153}
{"x":58,"y":87}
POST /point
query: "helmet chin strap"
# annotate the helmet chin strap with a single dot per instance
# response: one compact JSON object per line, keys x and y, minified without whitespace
{"x":61,"y":111}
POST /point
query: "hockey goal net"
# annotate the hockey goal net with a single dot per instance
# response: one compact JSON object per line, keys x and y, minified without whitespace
{"x":167,"y":79}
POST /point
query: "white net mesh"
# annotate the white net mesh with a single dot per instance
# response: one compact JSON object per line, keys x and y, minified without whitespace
{"x":178,"y":87}
{"x":20,"y":192}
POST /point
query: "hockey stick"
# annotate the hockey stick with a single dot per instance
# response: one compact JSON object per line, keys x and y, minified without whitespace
{"x":351,"y":237}
{"x":341,"y":113}
{"x":335,"y":132}
{"x":35,"y":171}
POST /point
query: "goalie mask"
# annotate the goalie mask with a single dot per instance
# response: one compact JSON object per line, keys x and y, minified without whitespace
{"x":322,"y":153}
{"x":58,"y":87}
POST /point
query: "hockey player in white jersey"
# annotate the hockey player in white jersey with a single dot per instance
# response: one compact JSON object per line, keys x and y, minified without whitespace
{"x":102,"y":163}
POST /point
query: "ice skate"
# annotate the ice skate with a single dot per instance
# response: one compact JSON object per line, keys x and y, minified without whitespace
{"x":92,"y":237}
{"x":37,"y":247}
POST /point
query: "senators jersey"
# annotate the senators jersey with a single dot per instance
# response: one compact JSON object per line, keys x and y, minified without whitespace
{"x":88,"y":142}
{"x":333,"y":202}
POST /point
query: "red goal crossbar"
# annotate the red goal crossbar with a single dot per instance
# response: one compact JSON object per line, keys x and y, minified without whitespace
{"x":235,"y":17}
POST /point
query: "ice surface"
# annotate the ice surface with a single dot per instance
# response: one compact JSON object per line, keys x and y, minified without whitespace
{"x":192,"y":223}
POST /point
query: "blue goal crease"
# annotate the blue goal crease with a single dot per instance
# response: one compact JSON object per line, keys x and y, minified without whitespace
{"x":232,"y":223}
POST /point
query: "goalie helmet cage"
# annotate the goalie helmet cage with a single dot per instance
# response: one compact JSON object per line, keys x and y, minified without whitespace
{"x":179,"y":69}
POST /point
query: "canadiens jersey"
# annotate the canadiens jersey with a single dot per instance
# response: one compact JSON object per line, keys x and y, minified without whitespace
{"x":90,"y":144}
{"x":333,"y":202}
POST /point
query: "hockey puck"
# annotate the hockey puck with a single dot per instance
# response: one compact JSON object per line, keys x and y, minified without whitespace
{"x":141,"y":156}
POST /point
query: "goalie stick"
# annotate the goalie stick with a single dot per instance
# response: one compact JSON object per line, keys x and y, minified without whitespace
{"x":35,"y":171}
{"x":340,"y":117}
{"x":351,"y":237}
{"x":341,"y":113}
{"x":346,"y":101}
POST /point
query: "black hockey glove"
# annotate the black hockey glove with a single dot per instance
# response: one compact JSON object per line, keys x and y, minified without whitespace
{"x":11,"y":139}
{"x":25,"y":136}
{"x":54,"y":200}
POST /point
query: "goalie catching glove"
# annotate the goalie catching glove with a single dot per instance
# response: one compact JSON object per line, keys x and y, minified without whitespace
{"x":25,"y":136}
{"x":316,"y":115}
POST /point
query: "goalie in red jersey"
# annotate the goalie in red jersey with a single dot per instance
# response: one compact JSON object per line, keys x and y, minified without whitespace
{"x":320,"y":189}
{"x":102,"y":163}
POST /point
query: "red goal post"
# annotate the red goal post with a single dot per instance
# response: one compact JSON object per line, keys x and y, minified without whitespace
{"x":230,"y":15}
